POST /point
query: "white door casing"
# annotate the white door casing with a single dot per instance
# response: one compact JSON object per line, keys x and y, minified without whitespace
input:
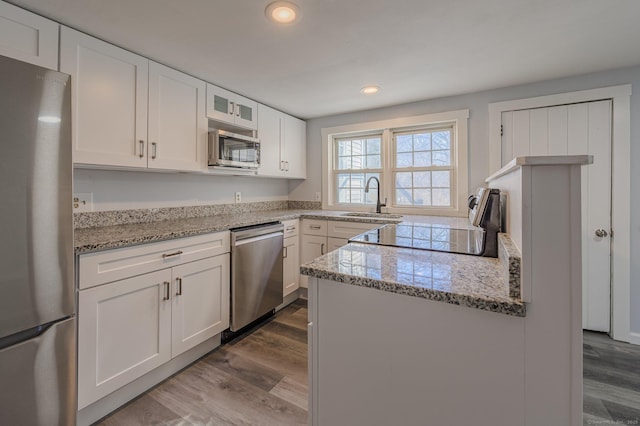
{"x":621,"y":193}
{"x":583,"y":128}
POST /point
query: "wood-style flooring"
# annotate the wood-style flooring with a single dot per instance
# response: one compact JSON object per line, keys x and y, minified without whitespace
{"x":611,"y":381}
{"x":257,"y":379}
{"x":261,"y":379}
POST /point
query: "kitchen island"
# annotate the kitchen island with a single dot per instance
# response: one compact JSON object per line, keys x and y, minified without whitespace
{"x":413,"y":337}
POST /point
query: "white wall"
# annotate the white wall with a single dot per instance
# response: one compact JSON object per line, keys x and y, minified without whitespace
{"x":115,"y":190}
{"x":477,"y":103}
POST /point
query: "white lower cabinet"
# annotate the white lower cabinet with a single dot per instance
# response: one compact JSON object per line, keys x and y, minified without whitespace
{"x":200,"y":307}
{"x":130,"y":326}
{"x":291,"y":265}
{"x":124,"y":331}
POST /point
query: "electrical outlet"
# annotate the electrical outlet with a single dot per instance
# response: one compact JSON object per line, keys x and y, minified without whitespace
{"x":318,"y":196}
{"x":82,"y":202}
{"x":238,"y":197}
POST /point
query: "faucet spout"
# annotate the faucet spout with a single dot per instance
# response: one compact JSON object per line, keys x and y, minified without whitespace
{"x":379,"y":205}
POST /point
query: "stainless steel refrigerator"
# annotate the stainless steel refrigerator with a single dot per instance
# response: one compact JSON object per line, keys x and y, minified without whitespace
{"x":37,"y":300}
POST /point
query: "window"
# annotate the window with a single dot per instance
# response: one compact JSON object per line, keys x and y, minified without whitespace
{"x":422,"y":168}
{"x":357,"y":159}
{"x":420,"y":162}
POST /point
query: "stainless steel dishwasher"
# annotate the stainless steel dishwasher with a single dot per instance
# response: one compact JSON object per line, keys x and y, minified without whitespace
{"x":256,"y":272}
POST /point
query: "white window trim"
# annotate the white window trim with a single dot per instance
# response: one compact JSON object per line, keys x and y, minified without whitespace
{"x":458,"y":118}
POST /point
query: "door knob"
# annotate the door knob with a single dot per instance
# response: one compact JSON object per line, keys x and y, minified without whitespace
{"x":601,"y":233}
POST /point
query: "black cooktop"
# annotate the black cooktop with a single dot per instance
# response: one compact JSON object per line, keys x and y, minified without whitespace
{"x":425,"y":237}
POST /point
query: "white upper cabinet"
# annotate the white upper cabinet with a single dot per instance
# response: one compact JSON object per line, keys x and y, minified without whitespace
{"x":295,"y":147}
{"x":177,"y":121}
{"x":228,"y":107}
{"x":283,"y":144}
{"x":28,"y":37}
{"x":109,"y":101}
{"x":131,"y":112}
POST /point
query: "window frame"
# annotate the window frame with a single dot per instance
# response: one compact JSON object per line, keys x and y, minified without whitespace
{"x":458,"y":120}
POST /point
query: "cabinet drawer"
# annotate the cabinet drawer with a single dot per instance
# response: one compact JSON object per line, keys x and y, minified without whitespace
{"x":314,"y":227}
{"x":112,"y":265}
{"x":290,"y":227}
{"x":342,"y":229}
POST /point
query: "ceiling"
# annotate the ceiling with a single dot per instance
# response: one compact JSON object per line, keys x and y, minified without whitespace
{"x":413,"y":49}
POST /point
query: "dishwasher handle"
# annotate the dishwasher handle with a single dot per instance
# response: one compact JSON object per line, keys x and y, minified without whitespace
{"x":258,"y":238}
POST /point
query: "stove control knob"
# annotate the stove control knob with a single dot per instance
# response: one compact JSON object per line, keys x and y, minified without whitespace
{"x":472,"y":201}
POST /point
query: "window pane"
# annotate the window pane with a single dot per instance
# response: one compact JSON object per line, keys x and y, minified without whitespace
{"x":422,"y":159}
{"x":441,"y":158}
{"x":373,"y":146}
{"x":404,"y":143}
{"x":344,"y":148}
{"x":357,"y":147}
{"x":441,"y":140}
{"x":344,"y":163}
{"x":357,"y":162}
{"x":422,"y":179}
{"x":441,"y":197}
{"x":422,"y":197}
{"x":403,"y":180}
{"x":373,"y":161}
{"x":422,"y":142}
{"x":343,"y":195}
{"x":403,"y":197}
{"x":440,"y":179}
{"x":404,"y":160}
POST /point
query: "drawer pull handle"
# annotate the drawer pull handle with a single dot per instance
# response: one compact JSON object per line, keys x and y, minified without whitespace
{"x":314,"y":226}
{"x":175,"y":253}
{"x":291,"y":228}
{"x":179,"y":282}
{"x":167,"y":293}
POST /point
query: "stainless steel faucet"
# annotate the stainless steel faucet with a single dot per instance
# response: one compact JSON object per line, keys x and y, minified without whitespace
{"x":378,"y":204}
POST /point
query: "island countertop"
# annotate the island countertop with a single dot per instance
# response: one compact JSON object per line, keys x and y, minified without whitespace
{"x":471,"y":281}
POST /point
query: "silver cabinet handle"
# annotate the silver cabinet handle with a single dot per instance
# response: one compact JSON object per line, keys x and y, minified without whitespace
{"x":179,"y":284}
{"x":286,"y":166}
{"x":141,"y":143}
{"x":285,"y":253}
{"x":154,"y":152}
{"x":282,"y":166}
{"x":232,"y":109}
{"x":167,"y":294}
{"x":175,"y":253}
{"x":291,"y":228}
{"x":322,"y":248}
{"x":238,"y":110}
{"x":314,"y":226}
{"x":601,"y":233}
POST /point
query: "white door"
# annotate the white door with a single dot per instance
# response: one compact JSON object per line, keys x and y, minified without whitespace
{"x":109,"y":105}
{"x":583,"y":128}
{"x":200,"y":307}
{"x":177,"y":120}
{"x":123,"y":332}
{"x":291,"y":265}
{"x":295,"y":147}
{"x":270,"y":133}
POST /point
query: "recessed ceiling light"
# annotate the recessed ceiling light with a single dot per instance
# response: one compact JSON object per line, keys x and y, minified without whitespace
{"x":370,"y":90}
{"x":282,"y":12}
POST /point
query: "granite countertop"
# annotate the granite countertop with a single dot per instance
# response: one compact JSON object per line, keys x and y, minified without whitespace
{"x":88,"y":240}
{"x":471,"y":281}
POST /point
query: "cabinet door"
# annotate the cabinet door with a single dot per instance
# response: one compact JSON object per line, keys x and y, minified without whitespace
{"x":335,"y":243}
{"x":291,"y":265}
{"x":123,"y":332}
{"x":200,"y":302}
{"x":177,"y":120}
{"x":311,"y":246}
{"x":28,"y":37}
{"x":220,"y":104}
{"x":270,"y":130}
{"x":295,"y":148}
{"x":246,"y":112}
{"x":109,"y":105}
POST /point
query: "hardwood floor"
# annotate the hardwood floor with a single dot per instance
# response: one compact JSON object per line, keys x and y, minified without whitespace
{"x":257,"y":379}
{"x":261,"y":379}
{"x":611,"y":381}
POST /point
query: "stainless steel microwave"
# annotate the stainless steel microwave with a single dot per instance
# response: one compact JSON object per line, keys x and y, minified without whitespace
{"x":233,"y":150}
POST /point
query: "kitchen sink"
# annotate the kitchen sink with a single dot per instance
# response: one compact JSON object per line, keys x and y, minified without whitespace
{"x":374,"y":215}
